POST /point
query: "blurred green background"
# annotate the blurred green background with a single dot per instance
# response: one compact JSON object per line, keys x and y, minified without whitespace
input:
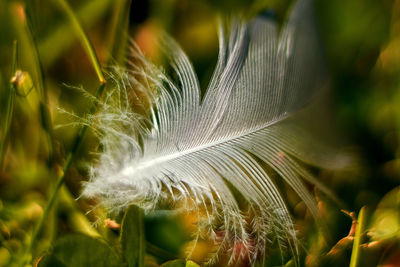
{"x":362,"y":47}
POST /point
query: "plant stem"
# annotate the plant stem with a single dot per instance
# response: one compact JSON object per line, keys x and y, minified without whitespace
{"x":9,"y":107}
{"x":84,"y":39}
{"x":78,"y":140}
{"x":118,"y":32}
{"x":66,"y":166}
{"x":56,"y":42}
{"x":38,"y":78}
{"x":355,"y":254}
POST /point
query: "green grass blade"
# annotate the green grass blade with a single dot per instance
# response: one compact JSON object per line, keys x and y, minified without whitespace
{"x":35,"y":68}
{"x":65,"y":7}
{"x":119,"y":30}
{"x":53,"y":45}
{"x":61,"y":179}
{"x":15,"y":57}
{"x":355,"y":254}
{"x":9,"y":107}
{"x":132,"y":237}
{"x":78,"y":140}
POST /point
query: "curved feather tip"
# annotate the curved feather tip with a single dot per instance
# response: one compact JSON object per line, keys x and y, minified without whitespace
{"x":219,"y":153}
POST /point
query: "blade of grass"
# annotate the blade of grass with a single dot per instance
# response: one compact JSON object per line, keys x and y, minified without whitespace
{"x":355,"y":254}
{"x":52,"y":46}
{"x":118,"y":33}
{"x":47,"y":123}
{"x":9,"y":107}
{"x":132,"y":238}
{"x":38,"y":76}
{"x":78,"y":140}
{"x":83,"y":37}
{"x":66,"y":166}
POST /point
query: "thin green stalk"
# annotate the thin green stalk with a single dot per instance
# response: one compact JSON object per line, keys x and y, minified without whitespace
{"x":78,"y":140}
{"x":84,"y":39}
{"x":38,"y":77}
{"x":118,"y":32}
{"x":67,"y":164}
{"x":355,"y":254}
{"x":53,"y":45}
{"x":114,"y":24}
{"x":9,"y":107}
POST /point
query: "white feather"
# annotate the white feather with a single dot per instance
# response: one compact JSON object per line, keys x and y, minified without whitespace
{"x":196,"y":149}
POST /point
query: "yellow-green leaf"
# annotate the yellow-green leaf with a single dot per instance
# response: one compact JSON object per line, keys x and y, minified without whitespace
{"x":355,"y":254}
{"x":132,"y":237}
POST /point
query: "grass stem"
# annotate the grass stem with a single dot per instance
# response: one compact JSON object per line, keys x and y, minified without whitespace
{"x":118,"y":32}
{"x":61,"y":179}
{"x":9,"y":107}
{"x":38,"y":77}
{"x":355,"y":254}
{"x":65,"y":7}
{"x":78,"y":139}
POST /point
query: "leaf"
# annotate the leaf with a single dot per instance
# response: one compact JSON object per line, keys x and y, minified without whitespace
{"x":386,"y":218}
{"x":191,"y":264}
{"x":132,"y":237}
{"x":355,"y":254}
{"x":81,"y":251}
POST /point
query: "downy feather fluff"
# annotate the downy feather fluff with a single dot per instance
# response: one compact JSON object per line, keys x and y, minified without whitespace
{"x":203,"y":150}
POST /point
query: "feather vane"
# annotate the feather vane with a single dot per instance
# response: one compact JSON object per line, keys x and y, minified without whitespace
{"x":198,"y":148}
